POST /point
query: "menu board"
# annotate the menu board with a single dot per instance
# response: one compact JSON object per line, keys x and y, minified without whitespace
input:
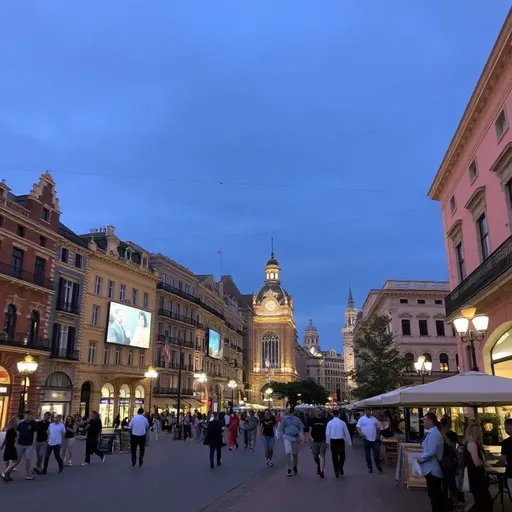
{"x":410,"y":455}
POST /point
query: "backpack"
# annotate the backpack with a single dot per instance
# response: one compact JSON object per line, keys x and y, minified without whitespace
{"x":450,"y":461}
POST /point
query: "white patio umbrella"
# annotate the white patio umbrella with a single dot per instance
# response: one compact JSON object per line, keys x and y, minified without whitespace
{"x":471,"y":389}
{"x":378,"y":400}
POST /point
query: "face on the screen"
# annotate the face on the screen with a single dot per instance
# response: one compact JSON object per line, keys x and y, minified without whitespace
{"x":119,"y":317}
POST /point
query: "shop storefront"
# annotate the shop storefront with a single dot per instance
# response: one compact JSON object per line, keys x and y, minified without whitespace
{"x":139,"y":399}
{"x":124,"y":402}
{"x":57,"y":394}
{"x":5,"y":394}
{"x":107,"y":405}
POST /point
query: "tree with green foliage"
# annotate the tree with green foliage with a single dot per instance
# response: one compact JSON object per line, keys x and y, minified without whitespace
{"x":379,"y":366}
{"x":305,"y":391}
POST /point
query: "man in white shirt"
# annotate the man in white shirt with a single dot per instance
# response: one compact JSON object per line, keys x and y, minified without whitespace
{"x":369,"y":429}
{"x":337,"y":436}
{"x":139,"y":426}
{"x":56,"y":431}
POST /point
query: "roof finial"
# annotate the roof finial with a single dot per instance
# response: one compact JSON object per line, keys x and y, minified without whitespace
{"x":351,"y":303}
{"x":272,"y":245}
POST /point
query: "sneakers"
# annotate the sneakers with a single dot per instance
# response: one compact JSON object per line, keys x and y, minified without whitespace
{"x":289,"y":473}
{"x":295,"y":470}
{"x":379,"y":469}
{"x":84,"y":464}
{"x":270,"y":463}
{"x":318,"y":469}
{"x":103,"y":459}
{"x":322,"y":474}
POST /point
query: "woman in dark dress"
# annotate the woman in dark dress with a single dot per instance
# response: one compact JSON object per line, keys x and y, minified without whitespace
{"x":9,"y":445}
{"x":214,"y":439}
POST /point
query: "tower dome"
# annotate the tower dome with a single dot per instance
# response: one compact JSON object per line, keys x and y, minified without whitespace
{"x":272,"y":287}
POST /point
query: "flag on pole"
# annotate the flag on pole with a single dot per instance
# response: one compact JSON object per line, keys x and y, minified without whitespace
{"x":165,"y":350}
{"x":219,"y":251}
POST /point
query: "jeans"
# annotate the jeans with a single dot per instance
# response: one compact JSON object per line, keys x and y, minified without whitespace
{"x":369,"y":447}
{"x":435,"y":492}
{"x":140,"y":442}
{"x":213,"y":450}
{"x":251,"y":437}
{"x":56,"y":451}
{"x":91,"y":446}
{"x":338,"y":455}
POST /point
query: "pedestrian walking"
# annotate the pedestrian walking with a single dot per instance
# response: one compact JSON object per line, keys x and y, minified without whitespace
{"x":338,"y":437}
{"x":234,"y":424}
{"x":433,"y":448}
{"x":93,"y":429}
{"x":27,"y":432}
{"x":317,"y":430}
{"x":369,"y":429}
{"x":268,"y":425}
{"x":42,"y":441}
{"x":291,"y":431}
{"x":69,"y":440}
{"x":139,"y":426}
{"x":251,"y":427}
{"x":9,"y":446}
{"x":56,"y":433}
{"x":214,"y":439}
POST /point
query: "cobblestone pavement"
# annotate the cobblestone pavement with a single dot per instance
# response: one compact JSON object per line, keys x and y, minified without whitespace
{"x":178,"y":473}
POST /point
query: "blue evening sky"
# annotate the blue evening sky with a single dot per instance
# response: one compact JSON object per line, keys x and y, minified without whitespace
{"x":207,"y":125}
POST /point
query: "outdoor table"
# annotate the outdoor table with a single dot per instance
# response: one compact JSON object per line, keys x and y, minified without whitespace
{"x":501,"y":480}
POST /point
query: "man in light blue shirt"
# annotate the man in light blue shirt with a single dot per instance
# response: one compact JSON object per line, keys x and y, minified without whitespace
{"x":433,"y":447}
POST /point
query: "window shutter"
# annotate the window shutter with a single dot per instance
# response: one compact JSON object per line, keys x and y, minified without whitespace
{"x":55,"y":337}
{"x":71,"y":339}
{"x":74,"y":296}
{"x":60,"y":295}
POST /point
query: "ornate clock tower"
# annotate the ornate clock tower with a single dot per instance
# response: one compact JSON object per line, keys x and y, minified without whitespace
{"x":274,"y":332}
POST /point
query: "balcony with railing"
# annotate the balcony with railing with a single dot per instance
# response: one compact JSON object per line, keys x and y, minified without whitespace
{"x":176,"y":291}
{"x":25,"y":341}
{"x":174,"y":340}
{"x":499,"y":262}
{"x":180,"y":318}
{"x":65,"y":354}
{"x":161,"y":391}
{"x":18,"y":273}
{"x":67,"y":307}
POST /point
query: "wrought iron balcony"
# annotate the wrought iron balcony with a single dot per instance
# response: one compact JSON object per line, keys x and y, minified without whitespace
{"x":24,"y":340}
{"x":68,"y":307}
{"x":180,"y":293}
{"x":493,"y":267}
{"x":23,"y":275}
{"x":165,"y":391}
{"x":64,"y":353}
{"x":437,"y":374}
{"x":175,"y":316}
{"x":173,"y":340}
{"x":187,"y":392}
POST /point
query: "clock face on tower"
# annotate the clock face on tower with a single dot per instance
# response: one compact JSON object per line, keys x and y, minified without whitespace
{"x":270,"y":305}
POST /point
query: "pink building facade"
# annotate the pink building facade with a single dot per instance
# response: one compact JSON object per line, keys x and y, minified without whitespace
{"x":474,"y":188}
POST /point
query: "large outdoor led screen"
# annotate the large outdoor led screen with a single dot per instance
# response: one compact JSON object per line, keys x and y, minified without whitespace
{"x":128,"y":326}
{"x":214,"y":344}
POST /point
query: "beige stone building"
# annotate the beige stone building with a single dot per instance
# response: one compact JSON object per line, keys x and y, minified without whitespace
{"x":417,"y":313}
{"x":274,"y":332}
{"x":326,"y":368}
{"x":347,"y":331}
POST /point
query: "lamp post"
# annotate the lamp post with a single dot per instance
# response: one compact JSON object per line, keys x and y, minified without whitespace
{"x":151,"y":374}
{"x":200,"y":377}
{"x":471,"y":327}
{"x":178,"y":404}
{"x":232,"y":385}
{"x":268,"y":393}
{"x":26,"y":367}
{"x":423,"y":367}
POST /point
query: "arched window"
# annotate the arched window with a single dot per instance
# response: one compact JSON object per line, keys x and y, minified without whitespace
{"x":58,"y":380}
{"x":10,"y":320}
{"x":444,"y":364}
{"x":34,"y":326}
{"x":409,"y":360}
{"x":427,"y":357}
{"x":270,"y":350}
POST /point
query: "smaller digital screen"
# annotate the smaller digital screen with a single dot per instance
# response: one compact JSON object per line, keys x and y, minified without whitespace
{"x":214,"y":344}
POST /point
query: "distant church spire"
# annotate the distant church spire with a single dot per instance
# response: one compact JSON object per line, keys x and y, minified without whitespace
{"x":350,"y":303}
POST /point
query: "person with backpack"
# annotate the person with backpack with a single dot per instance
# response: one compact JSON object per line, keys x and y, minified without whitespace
{"x":291,"y":430}
{"x":450,"y":466}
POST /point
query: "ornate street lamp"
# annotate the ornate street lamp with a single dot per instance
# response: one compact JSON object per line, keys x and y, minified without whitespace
{"x":26,"y":367}
{"x":471,"y":327}
{"x":232,"y":385}
{"x":268,"y":393}
{"x":151,"y":374}
{"x":423,"y":367}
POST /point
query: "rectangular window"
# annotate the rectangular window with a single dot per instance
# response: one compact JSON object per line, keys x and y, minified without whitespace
{"x":106,"y":356}
{"x":78,"y":261}
{"x":110,"y":290}
{"x":406,"y":327}
{"x":440,"y":328}
{"x":461,"y":264}
{"x":161,"y":303}
{"x":483,"y":233}
{"x":98,"y":284}
{"x":163,"y":277}
{"x":45,"y":214}
{"x":187,"y":288}
{"x":141,"y":358}
{"x":438,"y":301}
{"x":178,"y":308}
{"x":39,"y":271}
{"x":64,"y":255}
{"x":17,"y":262}
{"x":453,"y":205}
{"x":42,"y":241}
{"x":180,"y":286}
{"x":21,"y":231}
{"x":472,"y":171}
{"x":63,"y":339}
{"x":67,"y":293}
{"x":145,"y":300}
{"x":421,"y":301}
{"x":423,"y":325}
{"x":501,"y":125}
{"x":91,"y":358}
{"x":95,"y":320}
{"x":404,"y":301}
{"x":118,"y":355}
{"x":130,"y":358}
{"x":135,"y":296}
{"x":122,"y":293}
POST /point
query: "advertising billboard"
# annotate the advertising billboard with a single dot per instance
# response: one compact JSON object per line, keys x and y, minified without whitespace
{"x":214,"y":344}
{"x":128,"y":325}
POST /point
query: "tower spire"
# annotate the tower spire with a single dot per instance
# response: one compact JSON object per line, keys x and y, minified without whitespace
{"x":272,"y":246}
{"x":350,"y":302}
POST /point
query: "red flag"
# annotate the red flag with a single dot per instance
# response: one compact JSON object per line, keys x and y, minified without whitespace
{"x":167,"y":355}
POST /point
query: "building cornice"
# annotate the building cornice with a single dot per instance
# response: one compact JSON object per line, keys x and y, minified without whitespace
{"x":148,"y":274}
{"x":496,"y":63}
